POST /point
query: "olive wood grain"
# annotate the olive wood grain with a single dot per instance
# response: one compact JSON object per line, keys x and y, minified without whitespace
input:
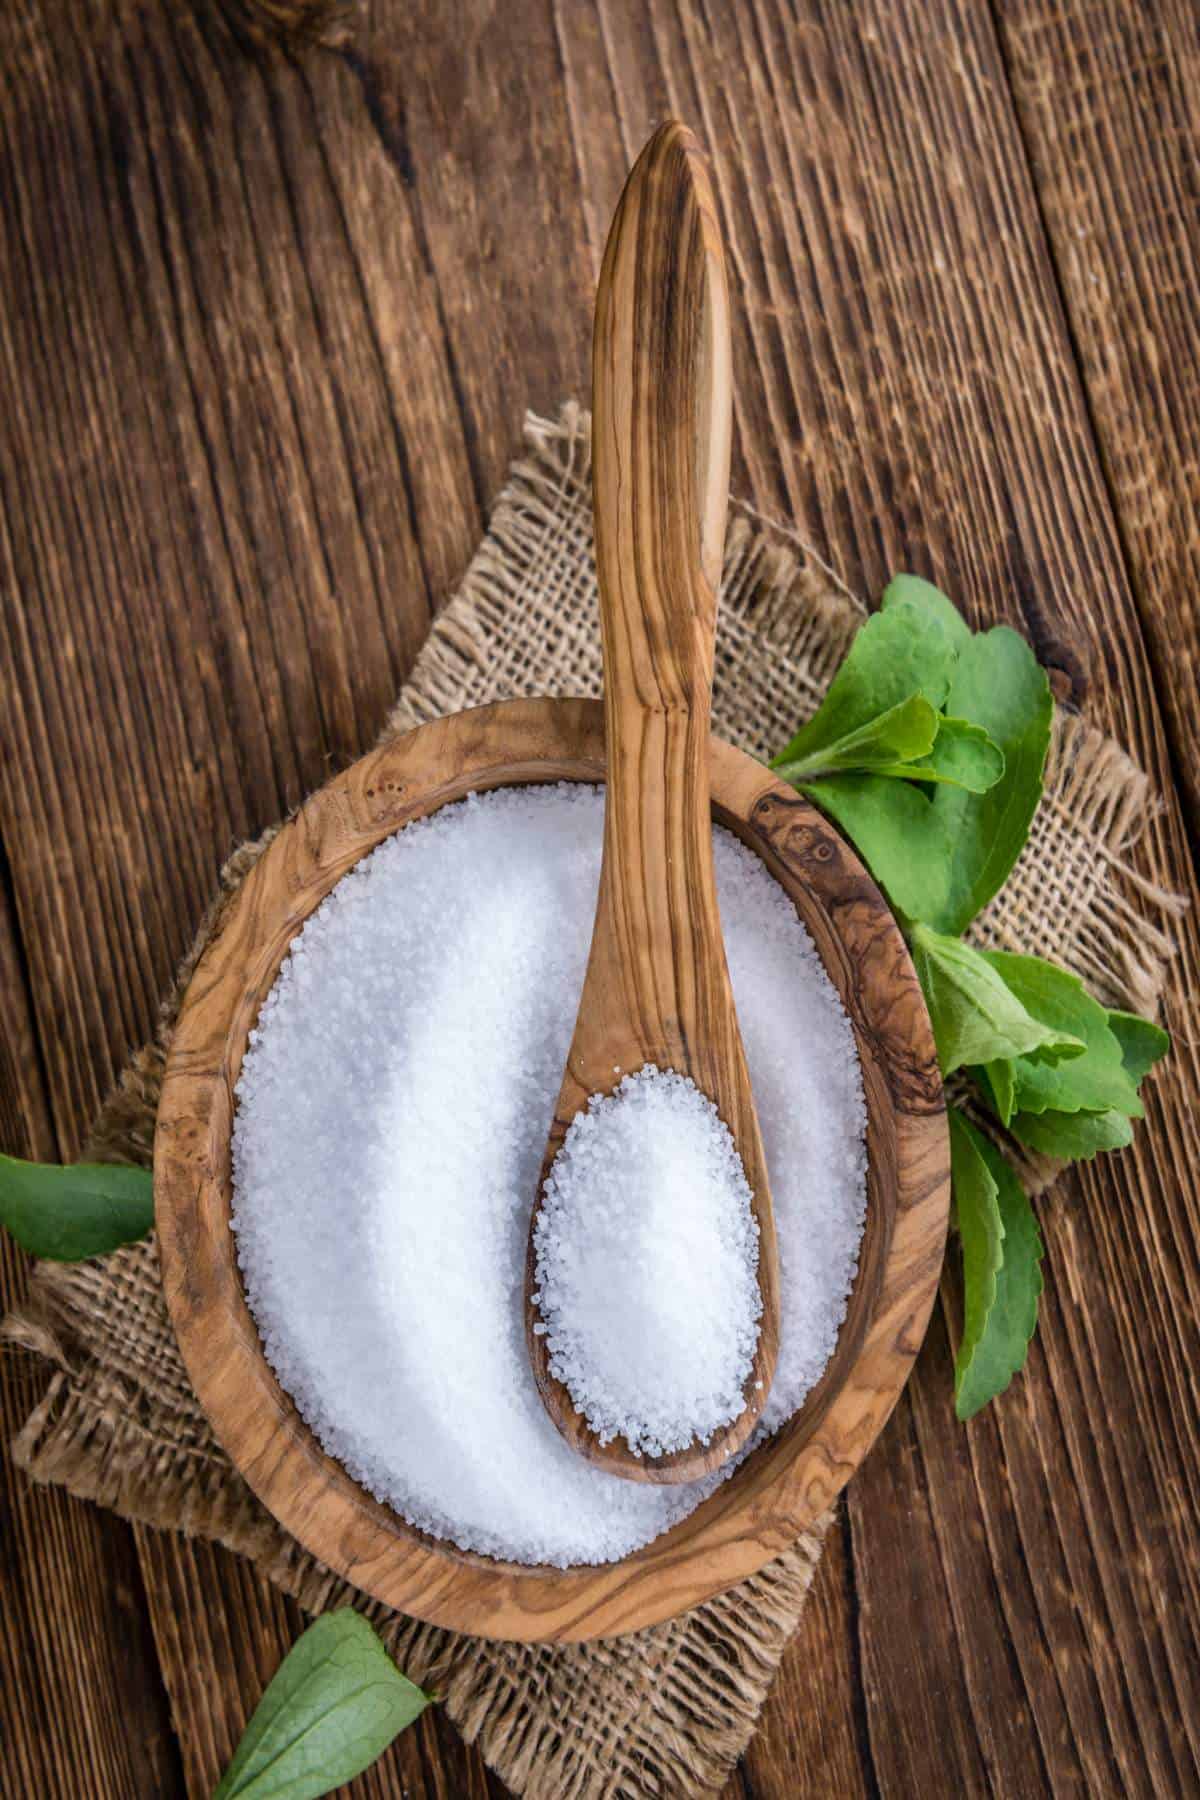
{"x":656,"y":989}
{"x":785,"y":1483}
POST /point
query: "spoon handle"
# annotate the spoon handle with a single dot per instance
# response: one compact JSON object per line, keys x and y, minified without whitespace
{"x":661,"y":399}
{"x":662,"y":402}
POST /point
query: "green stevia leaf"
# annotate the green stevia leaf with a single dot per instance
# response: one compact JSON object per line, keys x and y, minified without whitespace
{"x":67,"y":1213}
{"x":965,"y":755}
{"x":1051,"y":992}
{"x":998,"y":685}
{"x":944,"y":858}
{"x":1002,"y":1278}
{"x":1072,"y":1136}
{"x":976,"y":1017}
{"x":1088,"y":1084}
{"x":962,"y":755}
{"x":997,"y":1084}
{"x":905,"y":733}
{"x":897,"y":659}
{"x":1141,"y":1041}
{"x":891,"y":825}
{"x":913,"y":591}
{"x":336,"y":1702}
{"x":981,"y":1232}
{"x":1097,"y":1081}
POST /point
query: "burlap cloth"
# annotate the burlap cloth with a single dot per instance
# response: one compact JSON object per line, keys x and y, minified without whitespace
{"x":665,"y":1711}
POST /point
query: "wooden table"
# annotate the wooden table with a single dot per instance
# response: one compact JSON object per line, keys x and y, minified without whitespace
{"x":267,"y":333}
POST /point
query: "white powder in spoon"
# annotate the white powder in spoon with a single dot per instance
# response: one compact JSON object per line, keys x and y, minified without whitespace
{"x":647,"y":1259}
{"x":392,"y":1116}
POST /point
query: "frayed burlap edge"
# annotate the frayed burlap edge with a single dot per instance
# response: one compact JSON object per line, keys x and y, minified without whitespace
{"x":668,"y":1710}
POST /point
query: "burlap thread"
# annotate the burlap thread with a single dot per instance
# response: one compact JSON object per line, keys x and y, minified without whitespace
{"x":663,"y":1712}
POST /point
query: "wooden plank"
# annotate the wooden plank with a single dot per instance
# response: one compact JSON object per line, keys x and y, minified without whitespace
{"x":470,"y":103}
{"x":1108,"y":96}
{"x":909,"y":397}
{"x":84,"y":1711}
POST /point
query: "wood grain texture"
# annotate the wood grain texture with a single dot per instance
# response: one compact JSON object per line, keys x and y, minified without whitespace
{"x":812,"y":1734}
{"x":259,"y":306}
{"x":656,"y":990}
{"x":79,"y":1670}
{"x":232,"y":1649}
{"x":1108,"y":99}
{"x":788,"y":1482}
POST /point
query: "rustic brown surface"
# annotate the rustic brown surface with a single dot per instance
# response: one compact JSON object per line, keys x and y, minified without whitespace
{"x":787,"y":1485}
{"x":1110,"y":118}
{"x":656,"y":990}
{"x":219,"y":1660}
{"x":266,"y":340}
{"x":79,"y":1665}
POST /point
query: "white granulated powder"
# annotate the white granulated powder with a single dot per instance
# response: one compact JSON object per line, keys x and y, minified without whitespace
{"x":647,"y":1259}
{"x":392,"y":1116}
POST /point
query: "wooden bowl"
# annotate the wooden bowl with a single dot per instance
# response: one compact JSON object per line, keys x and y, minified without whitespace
{"x":787,"y":1482}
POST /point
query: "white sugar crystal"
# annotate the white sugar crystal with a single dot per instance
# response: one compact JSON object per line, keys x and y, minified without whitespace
{"x":647,"y":1258}
{"x":392,"y":1116}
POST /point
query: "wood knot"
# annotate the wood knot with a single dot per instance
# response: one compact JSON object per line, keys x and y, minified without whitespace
{"x":794,"y":829}
{"x":284,"y":25}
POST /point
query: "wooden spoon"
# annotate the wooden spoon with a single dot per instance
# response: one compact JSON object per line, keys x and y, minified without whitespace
{"x":657,"y":986}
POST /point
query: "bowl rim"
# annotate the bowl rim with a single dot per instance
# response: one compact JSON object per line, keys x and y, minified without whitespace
{"x":786,"y":1483}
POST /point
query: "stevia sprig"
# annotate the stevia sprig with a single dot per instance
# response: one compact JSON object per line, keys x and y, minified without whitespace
{"x":882,"y":714}
{"x":1059,"y":1071}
